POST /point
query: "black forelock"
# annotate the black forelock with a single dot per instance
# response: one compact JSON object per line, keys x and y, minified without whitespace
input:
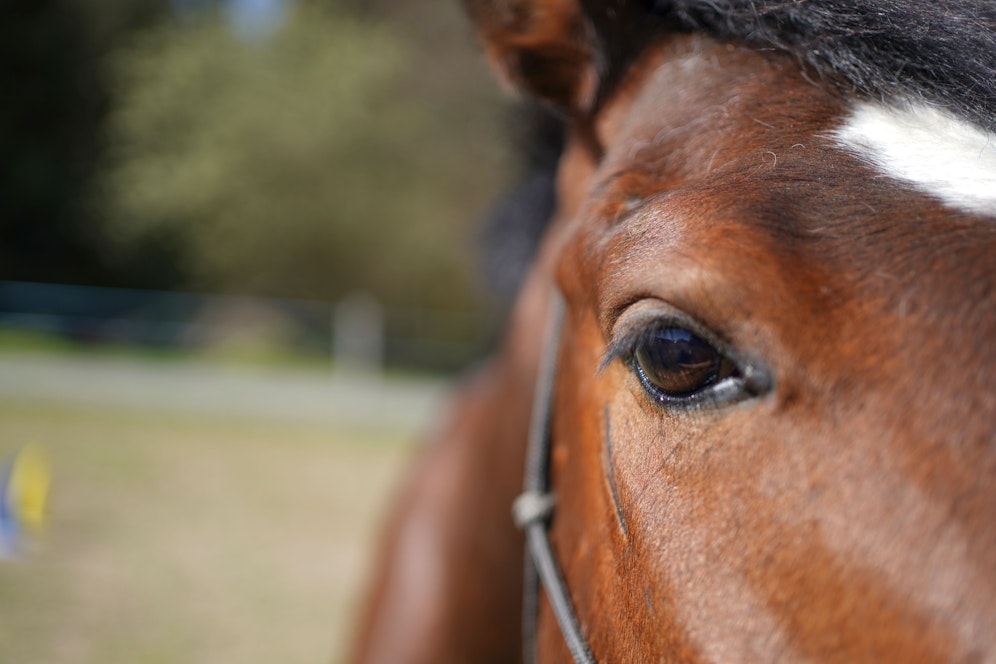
{"x":516,"y":221}
{"x":941,"y":51}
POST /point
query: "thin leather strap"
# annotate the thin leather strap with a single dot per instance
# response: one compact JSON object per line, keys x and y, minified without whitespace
{"x":534,"y":507}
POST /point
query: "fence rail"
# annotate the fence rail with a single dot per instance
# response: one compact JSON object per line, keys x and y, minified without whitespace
{"x":357,"y":333}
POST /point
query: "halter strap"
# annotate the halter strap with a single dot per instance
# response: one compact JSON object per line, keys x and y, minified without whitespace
{"x":533,"y":509}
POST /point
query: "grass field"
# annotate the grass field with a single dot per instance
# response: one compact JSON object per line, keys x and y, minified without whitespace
{"x":192,"y":538}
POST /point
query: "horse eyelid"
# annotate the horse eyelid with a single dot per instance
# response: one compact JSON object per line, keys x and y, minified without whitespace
{"x":620,"y":349}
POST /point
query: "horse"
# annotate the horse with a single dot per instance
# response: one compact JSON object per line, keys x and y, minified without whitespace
{"x":751,"y":367}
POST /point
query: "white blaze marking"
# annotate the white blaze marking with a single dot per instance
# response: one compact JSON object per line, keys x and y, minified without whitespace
{"x":931,"y":149}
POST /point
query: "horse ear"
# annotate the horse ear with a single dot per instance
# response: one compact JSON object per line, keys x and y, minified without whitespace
{"x":565,"y":52}
{"x":545,"y":48}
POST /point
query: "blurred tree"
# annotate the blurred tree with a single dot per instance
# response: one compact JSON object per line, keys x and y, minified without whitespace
{"x":54,"y":104}
{"x":322,"y":159}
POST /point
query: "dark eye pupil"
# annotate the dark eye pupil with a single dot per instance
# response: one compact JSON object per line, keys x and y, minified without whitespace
{"x":677,"y":362}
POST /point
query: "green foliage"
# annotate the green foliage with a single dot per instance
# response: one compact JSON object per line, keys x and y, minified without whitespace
{"x":307,"y":164}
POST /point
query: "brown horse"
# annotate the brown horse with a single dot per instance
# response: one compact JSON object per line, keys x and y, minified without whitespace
{"x":772,"y":431}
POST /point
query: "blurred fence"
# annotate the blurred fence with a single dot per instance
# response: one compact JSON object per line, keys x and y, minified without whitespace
{"x":357,"y":334}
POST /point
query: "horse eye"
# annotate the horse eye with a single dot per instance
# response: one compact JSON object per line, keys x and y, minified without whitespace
{"x":680,"y":363}
{"x":677,"y":362}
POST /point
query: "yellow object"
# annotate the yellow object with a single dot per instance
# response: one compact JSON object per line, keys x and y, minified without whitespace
{"x":27,"y":490}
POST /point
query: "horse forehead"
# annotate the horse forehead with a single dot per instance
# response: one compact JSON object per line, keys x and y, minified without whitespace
{"x":692,"y":106}
{"x":699,"y":116}
{"x":746,"y":145}
{"x":706,"y":128}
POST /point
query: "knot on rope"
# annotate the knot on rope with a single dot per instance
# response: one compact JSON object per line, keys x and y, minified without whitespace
{"x":531,"y":507}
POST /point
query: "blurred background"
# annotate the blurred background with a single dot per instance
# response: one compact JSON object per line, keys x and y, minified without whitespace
{"x":240,"y":267}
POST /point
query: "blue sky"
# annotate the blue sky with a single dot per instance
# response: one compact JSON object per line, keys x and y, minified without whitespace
{"x":249,"y":18}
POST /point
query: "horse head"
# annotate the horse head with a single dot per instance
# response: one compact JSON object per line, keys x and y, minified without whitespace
{"x":772,"y":431}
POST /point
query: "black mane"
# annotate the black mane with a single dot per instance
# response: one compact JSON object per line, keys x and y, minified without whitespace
{"x":940,"y":51}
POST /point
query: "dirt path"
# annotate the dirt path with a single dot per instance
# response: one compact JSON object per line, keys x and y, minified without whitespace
{"x":192,"y":387}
